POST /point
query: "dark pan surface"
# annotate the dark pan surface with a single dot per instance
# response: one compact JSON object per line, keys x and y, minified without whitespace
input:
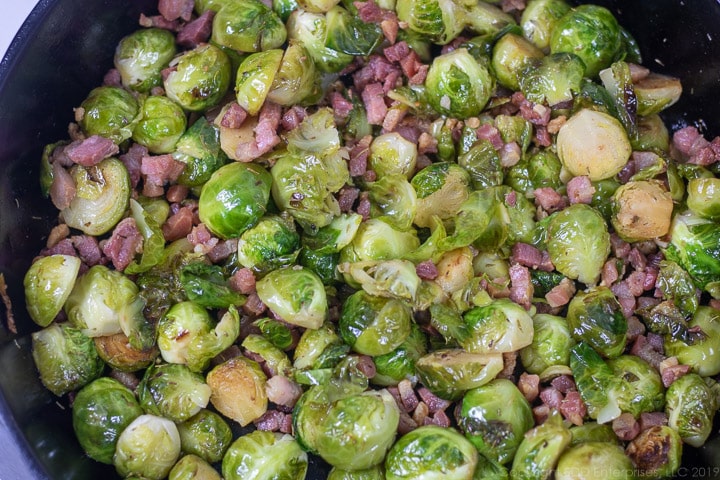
{"x":62,"y":52}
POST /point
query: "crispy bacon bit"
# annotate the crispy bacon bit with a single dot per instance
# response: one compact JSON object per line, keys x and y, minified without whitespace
{"x":373,"y":97}
{"x":573,"y":408}
{"x":234,"y":116}
{"x":549,"y":199}
{"x":671,"y":370}
{"x":91,"y":150}
{"x":551,"y":396}
{"x":266,"y":137}
{"x":202,"y":239}
{"x":62,"y":188}
{"x":177,"y":193}
{"x":196,"y":31}
{"x":648,"y":350}
{"x":521,"y":287}
{"x":176,"y":9}
{"x":158,"y":21}
{"x":529,"y":385}
{"x":124,"y":243}
{"x":358,"y":163}
{"x":88,"y":249}
{"x":341,"y":106}
{"x":158,"y":170}
{"x":222,"y":250}
{"x":626,"y":427}
{"x":435,"y":404}
{"x":426,"y":270}
{"x":132,"y":160}
{"x":526,"y":255}
{"x":408,"y":399}
{"x":561,"y":293}
{"x":694,"y":148}
{"x":366,"y":365}
{"x":652,"y":419}
{"x":580,"y":190}
{"x":243,"y":281}
{"x":282,"y":391}
{"x":178,"y":225}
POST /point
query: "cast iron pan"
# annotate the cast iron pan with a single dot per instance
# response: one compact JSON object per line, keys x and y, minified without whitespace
{"x":62,"y":52}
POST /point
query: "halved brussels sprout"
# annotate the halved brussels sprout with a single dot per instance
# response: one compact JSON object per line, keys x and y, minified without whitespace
{"x":441,"y":188}
{"x":110,"y":112}
{"x":116,"y":351}
{"x":510,"y":54}
{"x":347,"y":33}
{"x":700,"y":354}
{"x":311,"y":345}
{"x":199,"y":149}
{"x":691,"y":405}
{"x":642,"y":210}
{"x":539,"y":18}
{"x":393,"y":200}
{"x":48,"y":283}
{"x":540,"y":449}
{"x":593,"y":143}
{"x":594,"y":461}
{"x":141,"y":56}
{"x":498,"y":327}
{"x":270,"y":244}
{"x":449,"y":373}
{"x":160,"y":124}
{"x":703,"y":197}
{"x":374,"y":325}
{"x":431,"y":452}
{"x":173,"y":391}
{"x":205,"y":434}
{"x":396,"y":279}
{"x":378,"y":240}
{"x":238,"y":389}
{"x":100,"y":412}
{"x":440,"y":21}
{"x":248,"y":26}
{"x":234,"y":198}
{"x":595,"y":317}
{"x":147,"y":448}
{"x":296,"y":294}
{"x":262,"y":454}
{"x":656,"y":451}
{"x":391,"y":154}
{"x":103,"y":193}
{"x":311,"y":31}
{"x":553,"y":79}
{"x":656,"y":92}
{"x":200,"y":78}
{"x":192,"y":467}
{"x":297,"y":81}
{"x":255,"y":76}
{"x":457,"y":85}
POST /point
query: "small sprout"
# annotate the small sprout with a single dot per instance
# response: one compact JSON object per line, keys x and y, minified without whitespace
{"x":192,"y":467}
{"x":116,"y":351}
{"x":391,"y":154}
{"x":296,"y":295}
{"x":48,"y":283}
{"x":109,"y":112}
{"x":449,"y":373}
{"x":550,"y":345}
{"x":642,"y":210}
{"x":141,"y":56}
{"x":262,"y":454}
{"x":254,"y":78}
{"x":200,"y":78}
{"x":703,"y":197}
{"x":540,"y":449}
{"x":539,"y":18}
{"x":691,"y":405}
{"x":148,"y":448}
{"x":206,"y":435}
{"x":594,"y":461}
{"x":439,"y":21}
{"x":656,"y":92}
{"x":173,"y":391}
{"x":510,"y":54}
{"x":160,"y":125}
{"x":248,"y":26}
{"x":657,"y":452}
{"x":441,"y":188}
{"x":700,"y":354}
{"x":238,"y":389}
{"x":595,"y":317}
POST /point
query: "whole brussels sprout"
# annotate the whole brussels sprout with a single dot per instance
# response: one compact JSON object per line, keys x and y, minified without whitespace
{"x":578,"y":242}
{"x":312,"y":343}
{"x":494,"y":417}
{"x":595,"y":316}
{"x":200,"y":78}
{"x":199,"y":149}
{"x":540,"y":449}
{"x":110,"y":112}
{"x":449,"y":373}
{"x":103,"y":195}
{"x":391,"y":154}
{"x":295,"y":294}
{"x":273,"y":242}
{"x":234,"y":198}
{"x":160,"y":125}
{"x":100,"y":412}
{"x":192,"y":467}
{"x":206,"y":435}
{"x":594,"y":461}
{"x":247,"y":26}
{"x":141,"y":56}
{"x":592,"y":33}
{"x":352,"y":431}
{"x":148,"y":448}
{"x":48,"y":283}
{"x":374,"y":325}
{"x":701,"y":354}
{"x":173,"y":391}
{"x":641,"y":386}
{"x":691,"y":405}
{"x":457,"y":85}
{"x":259,"y":455}
{"x":656,"y":451}
{"x":431,"y":452}
{"x":539,"y":18}
{"x":65,"y":358}
{"x":510,"y":54}
{"x":550,"y":345}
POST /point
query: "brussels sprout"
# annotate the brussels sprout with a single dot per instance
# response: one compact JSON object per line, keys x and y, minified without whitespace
{"x":440,"y":188}
{"x":377,"y":240}
{"x":399,"y":364}
{"x":656,"y":92}
{"x":690,"y":406}
{"x":457,"y":85}
{"x":396,"y":279}
{"x":207,"y":286}
{"x":593,"y":143}
{"x":352,"y":431}
{"x":141,"y":56}
{"x":391,"y":154}
{"x":148,"y":448}
{"x":703,"y":197}
{"x":431,"y":452}
{"x":160,"y":124}
{"x":206,"y":435}
{"x":311,"y":31}
{"x":234,"y":198}
{"x":199,"y":149}
{"x":595,"y":316}
{"x":173,"y":391}
{"x":372,"y":473}
{"x":593,"y":432}
{"x":553,"y":79}
{"x":265,"y":455}
{"x":105,"y":302}
{"x":594,"y":460}
{"x":200,"y":78}
{"x":641,"y":385}
{"x":65,"y":358}
{"x":248,"y":26}
{"x":578,"y":243}
{"x":486,"y":19}
{"x":311,"y":345}
{"x":540,"y":449}
{"x":270,"y":244}
{"x":498,"y":327}
{"x":297,"y":81}
{"x":455,"y":270}
{"x":296,"y":295}
{"x":238,"y":389}
{"x":510,"y":54}
{"x":255,"y":77}
{"x":347,"y":33}
{"x":642,"y":211}
{"x":48,"y":283}
{"x":592,"y":33}
{"x":541,"y":169}
{"x":192,"y":467}
{"x":103,"y":193}
{"x":539,"y":18}
{"x":483,"y":164}
{"x":186,"y":335}
{"x":109,"y":112}
{"x":656,"y":452}
{"x":325,"y":265}
{"x":694,"y":245}
{"x":440,"y":21}
{"x":448,"y":373}
{"x":487,"y":469}
{"x":652,"y":134}
{"x":101,"y":410}
{"x":700,"y":354}
{"x":494,"y":417}
{"x":677,"y":286}
{"x":117,"y":353}
{"x":336,"y":235}
{"x":276,"y":361}
{"x":374,"y":325}
{"x":550,"y":345}
{"x":393,"y":200}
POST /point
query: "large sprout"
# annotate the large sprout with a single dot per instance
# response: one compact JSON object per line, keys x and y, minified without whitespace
{"x":538,"y":20}
{"x":147,"y":448}
{"x":594,"y":461}
{"x":199,"y":78}
{"x":141,"y":56}
{"x":691,"y":405}
{"x":238,"y":389}
{"x":295,"y":294}
{"x":160,"y":125}
{"x":552,"y":79}
{"x":642,"y":210}
{"x":310,"y":30}
{"x":247,"y":26}
{"x":110,"y":112}
{"x":260,"y":455}
{"x":550,"y":345}
{"x":510,"y":55}
{"x":595,"y":317}
{"x":437,"y":20}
